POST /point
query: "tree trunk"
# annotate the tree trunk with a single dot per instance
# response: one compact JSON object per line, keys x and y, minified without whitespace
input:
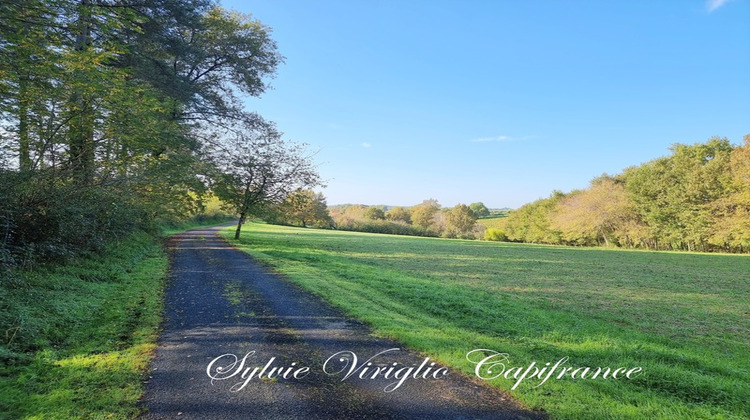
{"x":82,"y":140}
{"x":82,"y":123}
{"x":243,"y":212}
{"x":24,"y":156}
{"x":239,"y":226}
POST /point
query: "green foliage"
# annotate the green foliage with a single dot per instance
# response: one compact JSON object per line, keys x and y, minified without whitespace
{"x":424,"y":219}
{"x":44,"y":219}
{"x":494,"y":222}
{"x":241,"y":48}
{"x":598,"y":307}
{"x":532,"y":222}
{"x":354,"y":218}
{"x":673,"y":195}
{"x":732,"y":227}
{"x":303,"y":208}
{"x":696,"y":199}
{"x":385,"y":227}
{"x":374,"y":213}
{"x":479,"y":210}
{"x":600,"y":215}
{"x":422,"y":214}
{"x":399,"y":214}
{"x":105,"y":111}
{"x":494,"y":234}
{"x":459,"y":222}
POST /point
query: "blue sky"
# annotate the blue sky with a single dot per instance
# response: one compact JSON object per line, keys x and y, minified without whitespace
{"x":500,"y":101}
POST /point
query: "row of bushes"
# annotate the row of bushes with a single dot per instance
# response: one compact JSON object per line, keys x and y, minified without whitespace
{"x":385,"y":226}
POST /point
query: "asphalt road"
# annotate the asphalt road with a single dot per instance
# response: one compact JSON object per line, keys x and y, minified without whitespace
{"x":227,"y":317}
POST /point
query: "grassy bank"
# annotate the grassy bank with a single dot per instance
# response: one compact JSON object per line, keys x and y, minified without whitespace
{"x":681,"y":317}
{"x":75,"y":340}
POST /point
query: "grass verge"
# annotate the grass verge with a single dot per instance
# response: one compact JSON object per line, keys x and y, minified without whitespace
{"x":76,"y":340}
{"x":683,"y":318}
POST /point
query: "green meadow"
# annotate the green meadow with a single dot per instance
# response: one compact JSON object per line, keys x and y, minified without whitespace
{"x":684,"y":318}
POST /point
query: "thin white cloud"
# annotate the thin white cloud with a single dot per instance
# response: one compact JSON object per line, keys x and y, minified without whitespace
{"x":712,"y":5}
{"x":334,"y":126}
{"x":496,"y":138}
{"x":366,"y":145}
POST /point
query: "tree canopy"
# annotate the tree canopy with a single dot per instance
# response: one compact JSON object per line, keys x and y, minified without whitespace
{"x":695,"y":199}
{"x":116,"y":114}
{"x":304,"y":208}
{"x":479,"y":209}
{"x":258,"y":169}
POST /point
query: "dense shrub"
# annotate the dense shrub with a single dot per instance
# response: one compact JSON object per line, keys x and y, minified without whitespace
{"x":44,"y":218}
{"x":384,"y":226}
{"x":494,"y":234}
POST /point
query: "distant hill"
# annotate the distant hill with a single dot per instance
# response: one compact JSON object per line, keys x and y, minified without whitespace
{"x":343,"y":206}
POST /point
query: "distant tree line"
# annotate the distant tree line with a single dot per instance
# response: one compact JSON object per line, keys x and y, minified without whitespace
{"x":117,"y":114}
{"x":696,"y":199}
{"x":425,"y":219}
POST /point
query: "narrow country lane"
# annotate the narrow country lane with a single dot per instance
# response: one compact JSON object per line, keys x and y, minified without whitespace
{"x":220,"y":301}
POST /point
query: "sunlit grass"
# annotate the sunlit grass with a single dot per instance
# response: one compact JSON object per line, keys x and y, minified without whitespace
{"x":682,"y":317}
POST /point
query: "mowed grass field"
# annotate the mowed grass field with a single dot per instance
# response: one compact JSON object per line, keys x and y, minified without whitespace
{"x":684,"y":318}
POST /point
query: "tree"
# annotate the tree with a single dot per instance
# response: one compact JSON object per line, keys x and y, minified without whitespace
{"x":205,"y":61}
{"x":374,"y":213}
{"x":105,"y":106}
{"x":27,"y":63}
{"x":423,"y":213}
{"x":399,"y":214}
{"x":674,"y":195}
{"x":257,"y":169}
{"x":532,"y":221}
{"x":495,"y":234}
{"x":479,"y":209}
{"x":732,"y":227}
{"x":459,"y":221}
{"x":304,"y":207}
{"x":593,"y":215}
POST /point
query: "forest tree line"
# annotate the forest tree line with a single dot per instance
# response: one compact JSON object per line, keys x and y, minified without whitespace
{"x":118,"y":114}
{"x":695,"y":199}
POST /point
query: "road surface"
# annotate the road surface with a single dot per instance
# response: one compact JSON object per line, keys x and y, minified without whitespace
{"x":228,"y":317}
